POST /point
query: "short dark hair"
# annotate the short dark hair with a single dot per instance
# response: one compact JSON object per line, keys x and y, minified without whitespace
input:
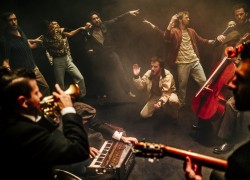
{"x":159,"y":60}
{"x":239,"y":6}
{"x":13,"y":84}
{"x":5,"y":16}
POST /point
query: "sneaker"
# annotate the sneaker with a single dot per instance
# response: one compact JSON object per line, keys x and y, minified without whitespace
{"x":224,"y":148}
{"x":195,"y":126}
{"x":131,"y":94}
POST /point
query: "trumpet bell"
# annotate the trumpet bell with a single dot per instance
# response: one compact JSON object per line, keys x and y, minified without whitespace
{"x":73,"y":90}
{"x":49,"y":106}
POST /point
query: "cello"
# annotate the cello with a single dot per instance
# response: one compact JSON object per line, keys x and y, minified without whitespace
{"x":209,"y":102}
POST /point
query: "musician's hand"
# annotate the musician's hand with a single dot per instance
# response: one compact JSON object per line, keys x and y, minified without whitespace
{"x":129,"y":140}
{"x":234,"y":60}
{"x":136,"y":69}
{"x":63,"y":100}
{"x":134,"y":12}
{"x":221,"y":38}
{"x":231,"y":24}
{"x":192,"y":171}
{"x":93,"y":152}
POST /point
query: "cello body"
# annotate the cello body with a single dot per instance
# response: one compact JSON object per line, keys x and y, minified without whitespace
{"x":209,"y":102}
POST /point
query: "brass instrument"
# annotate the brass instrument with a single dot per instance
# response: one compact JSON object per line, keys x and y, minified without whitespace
{"x":49,"y":107}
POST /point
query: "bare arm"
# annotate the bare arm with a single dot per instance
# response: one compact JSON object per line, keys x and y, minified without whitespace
{"x":34,"y":43}
{"x":134,"y":12}
{"x":172,"y":22}
{"x":74,"y":32}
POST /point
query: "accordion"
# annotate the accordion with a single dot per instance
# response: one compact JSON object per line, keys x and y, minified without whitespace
{"x":115,"y":158}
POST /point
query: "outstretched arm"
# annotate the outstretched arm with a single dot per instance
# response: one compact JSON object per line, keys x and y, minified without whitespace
{"x":33,"y":43}
{"x":74,"y":32}
{"x":153,"y":26}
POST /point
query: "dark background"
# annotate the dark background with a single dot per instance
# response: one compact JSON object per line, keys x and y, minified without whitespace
{"x":136,"y":43}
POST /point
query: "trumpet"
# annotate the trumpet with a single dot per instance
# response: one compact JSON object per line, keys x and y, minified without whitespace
{"x":49,"y":107}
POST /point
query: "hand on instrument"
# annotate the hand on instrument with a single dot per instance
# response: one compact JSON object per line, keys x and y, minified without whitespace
{"x":63,"y":100}
{"x":221,"y":38}
{"x":192,"y":170}
{"x":136,"y":69}
{"x":129,"y":140}
{"x":93,"y":152}
{"x":231,"y":24}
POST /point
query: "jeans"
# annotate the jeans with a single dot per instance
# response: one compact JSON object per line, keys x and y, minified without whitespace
{"x":65,"y":64}
{"x":41,"y":82}
{"x":184,"y":71}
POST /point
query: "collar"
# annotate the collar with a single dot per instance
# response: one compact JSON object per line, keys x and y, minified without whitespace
{"x":163,"y":75}
{"x":32,"y":118}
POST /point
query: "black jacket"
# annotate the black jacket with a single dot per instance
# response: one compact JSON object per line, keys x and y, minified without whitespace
{"x":29,"y":150}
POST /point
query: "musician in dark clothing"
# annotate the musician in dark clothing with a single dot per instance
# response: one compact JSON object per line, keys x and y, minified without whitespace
{"x":239,"y":161}
{"x":91,"y":123}
{"x":107,"y":66}
{"x":98,"y":132}
{"x":30,"y":146}
{"x":228,"y":123}
{"x":241,"y":18}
